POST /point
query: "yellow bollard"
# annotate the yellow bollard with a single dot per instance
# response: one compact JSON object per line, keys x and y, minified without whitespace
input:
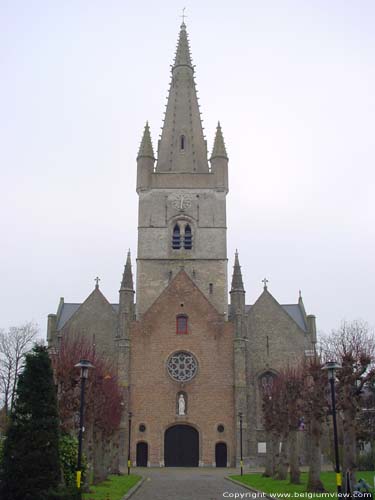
{"x":78,"y":479}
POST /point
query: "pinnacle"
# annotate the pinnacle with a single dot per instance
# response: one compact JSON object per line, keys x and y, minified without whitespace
{"x":127,"y":277}
{"x":146,"y":149}
{"x":237,"y":283}
{"x":219,"y":150}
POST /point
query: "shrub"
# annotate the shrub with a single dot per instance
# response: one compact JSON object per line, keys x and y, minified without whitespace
{"x":31,"y":462}
{"x":68,"y":458}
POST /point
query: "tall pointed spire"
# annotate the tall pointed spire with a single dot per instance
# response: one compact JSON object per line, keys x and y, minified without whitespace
{"x":182,"y":147}
{"x":219,"y":150}
{"x":127,"y":277}
{"x":237,"y":283}
{"x":145,"y":149}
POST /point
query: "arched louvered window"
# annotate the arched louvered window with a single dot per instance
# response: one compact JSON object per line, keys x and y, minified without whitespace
{"x":188,"y":238}
{"x":182,"y":143}
{"x":176,"y":238}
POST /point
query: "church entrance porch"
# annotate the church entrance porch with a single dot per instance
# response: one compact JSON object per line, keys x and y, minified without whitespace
{"x":181,"y":446}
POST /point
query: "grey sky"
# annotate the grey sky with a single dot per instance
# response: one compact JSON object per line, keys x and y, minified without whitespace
{"x":292,"y":83}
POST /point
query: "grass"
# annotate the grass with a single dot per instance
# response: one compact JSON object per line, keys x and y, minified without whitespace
{"x":114,"y":488}
{"x":269,"y":485}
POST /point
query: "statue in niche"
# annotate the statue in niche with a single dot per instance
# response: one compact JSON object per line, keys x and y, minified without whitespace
{"x":181,"y":405}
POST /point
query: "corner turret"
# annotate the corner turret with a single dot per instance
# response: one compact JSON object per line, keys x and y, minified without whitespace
{"x":237,"y":292}
{"x":145,"y":161}
{"x":219,"y":160}
{"x":127,"y":292}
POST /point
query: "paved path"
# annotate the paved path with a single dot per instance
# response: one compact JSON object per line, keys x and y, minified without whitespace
{"x":173,"y":483}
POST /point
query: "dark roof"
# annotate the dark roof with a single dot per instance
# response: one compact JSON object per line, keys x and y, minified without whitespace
{"x":68,"y":310}
{"x":294,"y":311}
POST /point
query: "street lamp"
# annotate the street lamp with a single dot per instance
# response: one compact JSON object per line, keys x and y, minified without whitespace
{"x":331,"y":368}
{"x":85,"y":366}
{"x":130,"y":428}
{"x":241,"y":457}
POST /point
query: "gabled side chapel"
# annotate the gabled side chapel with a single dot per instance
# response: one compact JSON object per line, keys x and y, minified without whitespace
{"x":189,"y":363}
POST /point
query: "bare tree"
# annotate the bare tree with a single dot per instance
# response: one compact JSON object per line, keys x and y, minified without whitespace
{"x":352,"y":345}
{"x":14,"y":344}
{"x":315,"y":412}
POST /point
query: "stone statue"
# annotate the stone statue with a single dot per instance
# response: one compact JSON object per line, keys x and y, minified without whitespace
{"x":181,"y":405}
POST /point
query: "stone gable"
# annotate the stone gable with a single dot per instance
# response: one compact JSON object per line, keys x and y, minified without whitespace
{"x":96,"y":320}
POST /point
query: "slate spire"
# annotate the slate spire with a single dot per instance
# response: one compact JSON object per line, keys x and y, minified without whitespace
{"x":182,"y":146}
{"x":237,"y":283}
{"x":145,"y":149}
{"x":219,"y":150}
{"x":127,"y":277}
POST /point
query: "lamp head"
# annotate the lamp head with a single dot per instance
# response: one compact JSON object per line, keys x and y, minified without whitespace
{"x":85,"y":366}
{"x":331,"y":367}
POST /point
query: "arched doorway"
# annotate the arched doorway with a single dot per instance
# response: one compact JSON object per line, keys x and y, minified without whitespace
{"x":142,"y":454}
{"x":181,"y":446}
{"x":221,"y":455}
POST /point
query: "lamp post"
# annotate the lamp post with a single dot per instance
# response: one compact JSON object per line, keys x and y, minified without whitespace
{"x":130,"y":428}
{"x":241,"y":457}
{"x":331,"y":368}
{"x":85,"y":366}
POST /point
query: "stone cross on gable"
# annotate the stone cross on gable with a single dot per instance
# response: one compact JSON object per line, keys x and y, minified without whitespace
{"x":97,"y":279}
{"x":265,"y":281}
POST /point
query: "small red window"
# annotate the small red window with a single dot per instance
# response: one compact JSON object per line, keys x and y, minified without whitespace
{"x":181,"y":324}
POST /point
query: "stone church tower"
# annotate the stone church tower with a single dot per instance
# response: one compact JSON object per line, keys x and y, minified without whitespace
{"x":189,"y":363}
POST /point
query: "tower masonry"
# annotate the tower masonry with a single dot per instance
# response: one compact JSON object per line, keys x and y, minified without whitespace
{"x":182,"y":199}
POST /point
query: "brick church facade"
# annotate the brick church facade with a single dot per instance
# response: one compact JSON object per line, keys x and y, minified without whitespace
{"x":188,"y":362}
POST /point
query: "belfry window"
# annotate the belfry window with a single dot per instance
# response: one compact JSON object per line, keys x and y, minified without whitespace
{"x":181,"y":324}
{"x":188,"y":238}
{"x":176,"y":238}
{"x":182,"y":143}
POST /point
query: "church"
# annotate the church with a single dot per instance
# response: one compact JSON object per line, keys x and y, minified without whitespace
{"x":192,"y":366}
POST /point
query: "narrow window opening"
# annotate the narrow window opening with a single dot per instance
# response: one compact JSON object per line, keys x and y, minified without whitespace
{"x":188,"y":238}
{"x":181,"y":324}
{"x":176,"y":238}
{"x":211,"y":288}
{"x":182,"y":143}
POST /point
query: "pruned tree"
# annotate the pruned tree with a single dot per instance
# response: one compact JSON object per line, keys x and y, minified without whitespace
{"x":14,"y":345}
{"x":270,"y":405}
{"x":366,"y":420}
{"x":315,"y":412}
{"x":275,"y":418}
{"x":293,"y":383}
{"x":282,"y":409}
{"x":353,"y":346}
{"x":103,"y":400}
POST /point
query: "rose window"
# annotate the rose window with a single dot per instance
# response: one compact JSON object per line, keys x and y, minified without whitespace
{"x":182,"y":366}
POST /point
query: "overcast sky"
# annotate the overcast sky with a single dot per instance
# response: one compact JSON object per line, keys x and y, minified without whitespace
{"x":292,"y":83}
